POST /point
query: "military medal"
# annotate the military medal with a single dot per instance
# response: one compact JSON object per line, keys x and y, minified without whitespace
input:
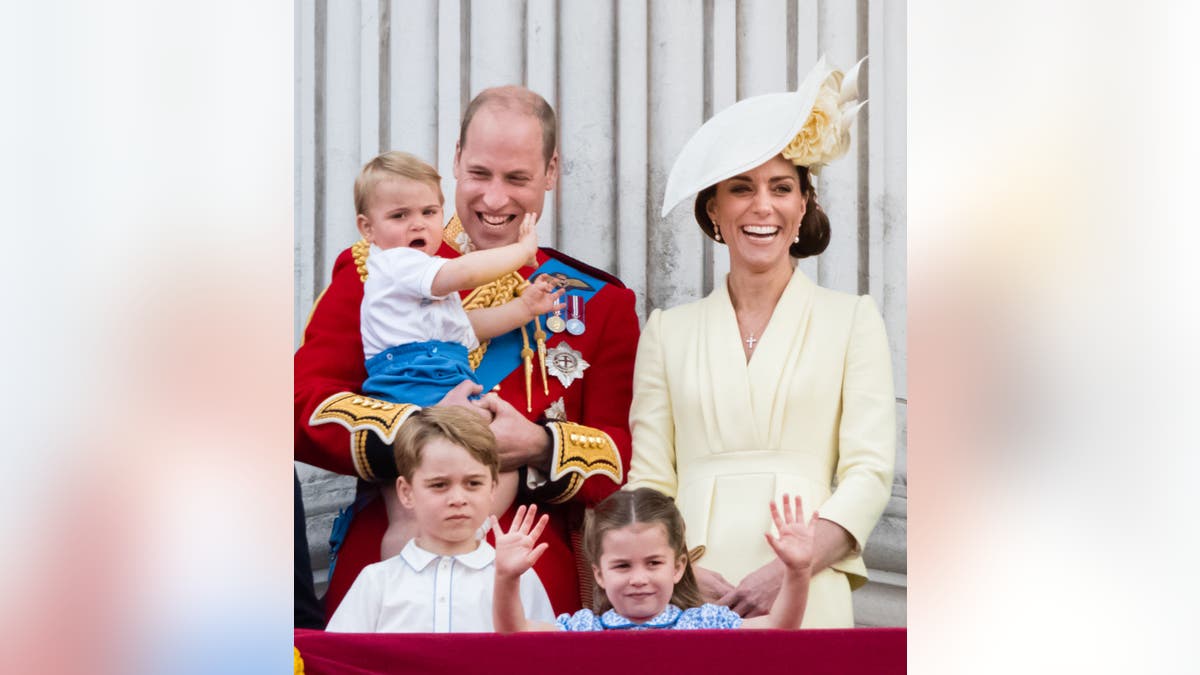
{"x":574,"y":324}
{"x":565,"y":363}
{"x":555,"y":322}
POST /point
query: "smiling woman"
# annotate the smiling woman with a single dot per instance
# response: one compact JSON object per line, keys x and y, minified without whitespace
{"x":810,"y":403}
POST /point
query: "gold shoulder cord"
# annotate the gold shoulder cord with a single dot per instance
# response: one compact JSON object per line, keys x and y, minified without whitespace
{"x":527,"y":360}
{"x":540,"y":336}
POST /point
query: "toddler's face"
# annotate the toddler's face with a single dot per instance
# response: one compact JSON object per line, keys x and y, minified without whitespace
{"x":638,"y":570}
{"x":450,"y":495}
{"x":403,"y":212}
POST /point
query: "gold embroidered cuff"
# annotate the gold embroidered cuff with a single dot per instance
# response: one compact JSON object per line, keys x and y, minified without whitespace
{"x":361,"y":414}
{"x":579,"y":453}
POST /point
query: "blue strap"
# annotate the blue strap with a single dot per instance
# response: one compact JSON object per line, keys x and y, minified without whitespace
{"x":341,"y":524}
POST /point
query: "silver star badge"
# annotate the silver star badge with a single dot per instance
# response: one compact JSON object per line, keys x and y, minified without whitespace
{"x":565,"y":363}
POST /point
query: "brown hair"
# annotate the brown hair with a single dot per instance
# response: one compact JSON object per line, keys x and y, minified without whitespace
{"x":814,"y":226}
{"x":521,"y":99}
{"x":393,"y":164}
{"x":642,"y":505}
{"x":456,"y":424}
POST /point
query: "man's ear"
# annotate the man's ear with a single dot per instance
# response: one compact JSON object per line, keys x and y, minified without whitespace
{"x":404,"y":492}
{"x":364,"y":227}
{"x":457,"y":157}
{"x":552,"y":172}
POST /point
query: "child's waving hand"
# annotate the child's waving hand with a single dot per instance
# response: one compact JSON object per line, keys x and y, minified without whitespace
{"x":794,"y":545}
{"x":516,"y":551}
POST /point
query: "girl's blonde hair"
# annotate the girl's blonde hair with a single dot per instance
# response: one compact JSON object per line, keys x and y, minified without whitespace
{"x":644,"y":505}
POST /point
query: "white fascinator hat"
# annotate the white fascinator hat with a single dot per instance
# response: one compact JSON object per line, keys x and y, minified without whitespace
{"x":809,"y":126}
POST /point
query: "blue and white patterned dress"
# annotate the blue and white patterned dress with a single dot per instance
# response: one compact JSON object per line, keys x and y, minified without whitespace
{"x":704,"y":617}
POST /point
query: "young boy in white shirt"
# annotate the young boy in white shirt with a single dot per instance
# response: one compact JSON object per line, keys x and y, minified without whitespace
{"x":442,"y":581}
{"x":416,"y":334}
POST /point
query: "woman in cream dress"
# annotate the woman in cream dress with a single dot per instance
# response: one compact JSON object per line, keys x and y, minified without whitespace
{"x":771,"y":384}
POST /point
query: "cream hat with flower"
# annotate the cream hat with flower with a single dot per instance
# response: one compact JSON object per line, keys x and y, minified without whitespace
{"x":809,"y":126}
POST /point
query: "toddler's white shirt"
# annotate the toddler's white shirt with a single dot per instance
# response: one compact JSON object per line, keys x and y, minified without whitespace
{"x":399,"y":307}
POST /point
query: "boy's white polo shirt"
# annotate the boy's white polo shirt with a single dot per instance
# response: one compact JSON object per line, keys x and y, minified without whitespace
{"x":421,"y":592}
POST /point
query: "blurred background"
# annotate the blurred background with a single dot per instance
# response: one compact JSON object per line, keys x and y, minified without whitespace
{"x":630,"y":82}
{"x":151,"y":307}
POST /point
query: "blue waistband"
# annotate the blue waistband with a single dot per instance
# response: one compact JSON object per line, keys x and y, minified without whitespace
{"x":447,"y":350}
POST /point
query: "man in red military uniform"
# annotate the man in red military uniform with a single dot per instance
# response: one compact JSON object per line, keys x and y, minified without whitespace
{"x":562,"y":410}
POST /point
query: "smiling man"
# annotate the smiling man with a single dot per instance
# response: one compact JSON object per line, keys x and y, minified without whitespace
{"x":561,"y":413}
{"x":505,"y":163}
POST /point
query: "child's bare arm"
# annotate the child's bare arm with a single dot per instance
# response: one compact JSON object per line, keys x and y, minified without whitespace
{"x":480,"y":267}
{"x":794,"y":547}
{"x":538,"y":298}
{"x":516,"y":554}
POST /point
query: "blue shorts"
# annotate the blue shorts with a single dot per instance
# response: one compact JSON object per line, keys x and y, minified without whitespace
{"x":420,"y":373}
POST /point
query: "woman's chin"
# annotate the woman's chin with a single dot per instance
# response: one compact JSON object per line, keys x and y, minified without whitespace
{"x":759,"y":259}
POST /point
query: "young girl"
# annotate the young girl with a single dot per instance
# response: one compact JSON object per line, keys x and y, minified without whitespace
{"x":635,"y":542}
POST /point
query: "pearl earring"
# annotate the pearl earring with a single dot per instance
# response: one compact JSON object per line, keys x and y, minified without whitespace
{"x":797,"y":239}
{"x":716,"y":232}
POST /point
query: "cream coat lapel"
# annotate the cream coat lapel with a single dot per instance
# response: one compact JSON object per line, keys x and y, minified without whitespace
{"x":773,"y":365}
{"x":727,"y":399}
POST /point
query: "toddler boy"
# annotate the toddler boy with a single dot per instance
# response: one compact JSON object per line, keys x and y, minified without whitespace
{"x":415,"y":333}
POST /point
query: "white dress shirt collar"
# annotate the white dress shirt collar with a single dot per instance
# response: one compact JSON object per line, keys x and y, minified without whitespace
{"x":418,"y":558}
